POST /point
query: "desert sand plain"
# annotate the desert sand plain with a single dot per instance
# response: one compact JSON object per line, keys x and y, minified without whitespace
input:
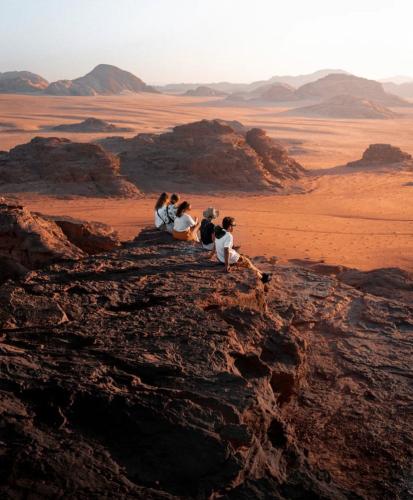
{"x":357,"y":219}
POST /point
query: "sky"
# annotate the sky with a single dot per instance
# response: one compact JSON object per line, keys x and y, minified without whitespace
{"x":169,"y":41}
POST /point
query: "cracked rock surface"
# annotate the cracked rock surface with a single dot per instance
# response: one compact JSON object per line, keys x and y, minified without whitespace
{"x":147,"y":372}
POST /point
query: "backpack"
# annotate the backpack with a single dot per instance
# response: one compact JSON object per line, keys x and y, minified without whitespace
{"x":219,"y":232}
{"x":207,"y":229}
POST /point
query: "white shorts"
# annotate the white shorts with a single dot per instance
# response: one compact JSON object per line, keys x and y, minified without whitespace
{"x":233,"y":257}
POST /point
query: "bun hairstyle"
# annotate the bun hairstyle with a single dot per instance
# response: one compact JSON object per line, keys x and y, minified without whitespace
{"x":182,"y":207}
{"x":164,"y":198}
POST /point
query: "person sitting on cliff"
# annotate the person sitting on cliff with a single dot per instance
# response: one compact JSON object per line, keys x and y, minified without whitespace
{"x":224,"y":243}
{"x":185,"y":227}
{"x":207,"y":228}
{"x":171,"y":209}
{"x":161,"y":220}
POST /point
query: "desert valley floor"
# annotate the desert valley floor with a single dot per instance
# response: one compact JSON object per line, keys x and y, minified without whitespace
{"x":358,"y":219}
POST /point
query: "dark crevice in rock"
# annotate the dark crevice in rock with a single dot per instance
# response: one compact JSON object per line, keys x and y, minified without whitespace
{"x":183,"y":381}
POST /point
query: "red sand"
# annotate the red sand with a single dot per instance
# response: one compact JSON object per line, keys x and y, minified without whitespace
{"x":362,"y":220}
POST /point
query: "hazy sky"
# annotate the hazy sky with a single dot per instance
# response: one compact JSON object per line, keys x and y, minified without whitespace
{"x":207,"y":40}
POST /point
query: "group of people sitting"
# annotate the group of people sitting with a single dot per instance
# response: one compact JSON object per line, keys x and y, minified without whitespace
{"x":173,"y":216}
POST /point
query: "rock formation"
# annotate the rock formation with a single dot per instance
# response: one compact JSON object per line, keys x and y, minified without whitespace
{"x":345,"y":106}
{"x":204,"y":91}
{"x":32,"y":241}
{"x":102,"y":80}
{"x":205,"y":155}
{"x":90,"y":237}
{"x":91,"y":125}
{"x":341,"y":84}
{"x":59,"y":166}
{"x":275,"y":92}
{"x":150,"y":373}
{"x":404,"y":90}
{"x":231,"y":88}
{"x":273,"y":155}
{"x":381,"y":154}
{"x":21,"y":82}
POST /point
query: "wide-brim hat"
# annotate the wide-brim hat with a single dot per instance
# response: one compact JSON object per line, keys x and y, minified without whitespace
{"x":211,"y":212}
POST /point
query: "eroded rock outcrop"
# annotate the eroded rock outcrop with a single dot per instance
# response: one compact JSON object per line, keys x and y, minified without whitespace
{"x":91,"y":125}
{"x":381,"y":154}
{"x":21,"y":82}
{"x":91,"y":237}
{"x":32,"y":241}
{"x":391,"y":283}
{"x":60,"y":166}
{"x":205,"y":155}
{"x":150,"y":373}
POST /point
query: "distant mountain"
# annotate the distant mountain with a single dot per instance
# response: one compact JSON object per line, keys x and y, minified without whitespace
{"x":102,"y":80}
{"x":228,"y":87}
{"x":397,"y":79}
{"x":204,"y":91}
{"x":299,"y":80}
{"x":21,"y":82}
{"x":342,"y":84}
{"x":181,"y":88}
{"x":345,"y":106}
{"x":404,"y":90}
{"x":276,"y":92}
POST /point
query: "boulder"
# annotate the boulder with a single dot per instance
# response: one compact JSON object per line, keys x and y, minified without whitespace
{"x":31,"y":241}
{"x":90,"y":237}
{"x":60,"y":166}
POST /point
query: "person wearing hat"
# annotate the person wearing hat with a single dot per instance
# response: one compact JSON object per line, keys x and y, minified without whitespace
{"x":207,"y":228}
{"x":224,"y":247}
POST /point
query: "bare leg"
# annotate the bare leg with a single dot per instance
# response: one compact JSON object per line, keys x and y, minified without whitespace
{"x":194,"y":231}
{"x":246,"y":262}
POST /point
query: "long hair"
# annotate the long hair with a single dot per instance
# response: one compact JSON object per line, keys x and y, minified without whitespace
{"x":174,"y":198}
{"x":161,"y":201}
{"x":182,"y":207}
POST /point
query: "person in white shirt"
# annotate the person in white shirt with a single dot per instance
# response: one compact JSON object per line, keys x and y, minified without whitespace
{"x":171,"y":209}
{"x":185,"y":227}
{"x":161,"y":220}
{"x":224,"y":243}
